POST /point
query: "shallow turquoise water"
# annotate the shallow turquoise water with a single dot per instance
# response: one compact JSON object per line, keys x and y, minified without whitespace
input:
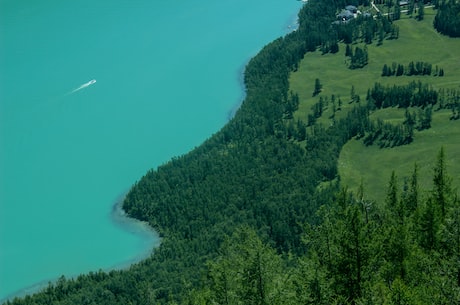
{"x":168,"y":76}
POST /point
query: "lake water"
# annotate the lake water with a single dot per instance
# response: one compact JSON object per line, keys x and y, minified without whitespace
{"x":168,"y":75}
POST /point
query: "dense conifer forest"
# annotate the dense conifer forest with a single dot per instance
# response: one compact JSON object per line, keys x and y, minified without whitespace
{"x":257,"y":214}
{"x":447,"y":21}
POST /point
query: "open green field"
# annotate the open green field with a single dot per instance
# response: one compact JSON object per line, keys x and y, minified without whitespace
{"x":418,"y":41}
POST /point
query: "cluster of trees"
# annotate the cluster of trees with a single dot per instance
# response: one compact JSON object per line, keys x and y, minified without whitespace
{"x":392,"y":8}
{"x":291,"y":105}
{"x":420,"y":120}
{"x":447,"y":19}
{"x":359,"y":57}
{"x":455,"y":112}
{"x":366,"y":29}
{"x":413,"y":6}
{"x":418,"y":99}
{"x":331,"y":46}
{"x":317,"y":111}
{"x":296,"y":130}
{"x":417,"y":68}
{"x":450,"y":99}
{"x":414,"y":94}
{"x":356,"y":3}
{"x":335,"y":102}
{"x":318,"y":18}
{"x":402,"y":250}
{"x":389,"y":135}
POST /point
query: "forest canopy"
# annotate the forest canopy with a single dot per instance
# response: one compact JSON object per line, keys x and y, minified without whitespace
{"x":447,"y":20}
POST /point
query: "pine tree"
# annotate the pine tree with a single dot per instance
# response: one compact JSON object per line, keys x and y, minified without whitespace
{"x":421,"y":11}
{"x":400,"y":70}
{"x":410,"y":10}
{"x":385,"y":70}
{"x":348,"y":51}
{"x":301,"y":131}
{"x":318,"y":87}
{"x":247,"y":271}
{"x":391,"y":200}
{"x":397,"y":11}
{"x":412,"y":197}
{"x":428,"y":225}
{"x":442,"y":184}
{"x":381,"y":36}
{"x":334,"y":48}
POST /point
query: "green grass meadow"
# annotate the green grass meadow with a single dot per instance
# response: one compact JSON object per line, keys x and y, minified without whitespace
{"x":418,"y":41}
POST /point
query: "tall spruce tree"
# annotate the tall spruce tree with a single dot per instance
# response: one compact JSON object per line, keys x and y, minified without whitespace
{"x":441,"y":184}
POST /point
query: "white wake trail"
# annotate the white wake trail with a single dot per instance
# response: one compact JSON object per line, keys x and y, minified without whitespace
{"x":83,"y":86}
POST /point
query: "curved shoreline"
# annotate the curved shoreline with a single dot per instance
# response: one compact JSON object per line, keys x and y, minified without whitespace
{"x":139,"y":228}
{"x":118,"y":216}
{"x":291,"y":25}
{"x":132,"y":225}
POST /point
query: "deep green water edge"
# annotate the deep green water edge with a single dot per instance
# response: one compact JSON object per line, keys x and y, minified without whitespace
{"x":167,"y":77}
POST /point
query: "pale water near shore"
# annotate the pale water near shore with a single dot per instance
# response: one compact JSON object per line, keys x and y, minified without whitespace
{"x":167,"y":77}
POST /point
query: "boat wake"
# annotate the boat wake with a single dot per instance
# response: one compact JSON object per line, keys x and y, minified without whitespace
{"x":83,"y":86}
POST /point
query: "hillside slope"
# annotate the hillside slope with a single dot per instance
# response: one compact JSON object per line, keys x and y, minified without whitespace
{"x":371,"y":165}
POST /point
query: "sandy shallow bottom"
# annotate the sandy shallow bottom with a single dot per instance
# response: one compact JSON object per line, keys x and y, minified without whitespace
{"x":149,"y":236}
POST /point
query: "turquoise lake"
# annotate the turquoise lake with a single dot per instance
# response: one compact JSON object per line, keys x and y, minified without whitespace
{"x":168,"y":75}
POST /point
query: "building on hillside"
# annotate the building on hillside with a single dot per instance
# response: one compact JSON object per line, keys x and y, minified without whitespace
{"x":345,"y":15}
{"x":352,"y":9}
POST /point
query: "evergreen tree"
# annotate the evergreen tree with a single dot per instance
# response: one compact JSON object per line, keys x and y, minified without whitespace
{"x":391,"y":200}
{"x":428,"y":225}
{"x":334,"y":48}
{"x":360,"y":58}
{"x":318,"y":87}
{"x":385,"y":70}
{"x":425,"y":116}
{"x":348,"y":51}
{"x":301,"y":131}
{"x":410,"y":10}
{"x":412,"y":198}
{"x":396,"y":11}
{"x":247,"y":271}
{"x":400,"y":70}
{"x":442,"y":184}
{"x":421,"y":11}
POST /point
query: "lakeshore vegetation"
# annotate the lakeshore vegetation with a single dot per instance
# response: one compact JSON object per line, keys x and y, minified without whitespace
{"x":334,"y":183}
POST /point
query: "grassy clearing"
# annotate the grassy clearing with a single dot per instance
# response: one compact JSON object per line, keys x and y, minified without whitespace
{"x":418,"y":41}
{"x":373,"y":166}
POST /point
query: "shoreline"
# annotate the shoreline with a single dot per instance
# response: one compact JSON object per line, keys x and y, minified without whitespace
{"x":120,"y":219}
{"x":291,"y":25}
{"x":134,"y":226}
{"x":141,"y":228}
